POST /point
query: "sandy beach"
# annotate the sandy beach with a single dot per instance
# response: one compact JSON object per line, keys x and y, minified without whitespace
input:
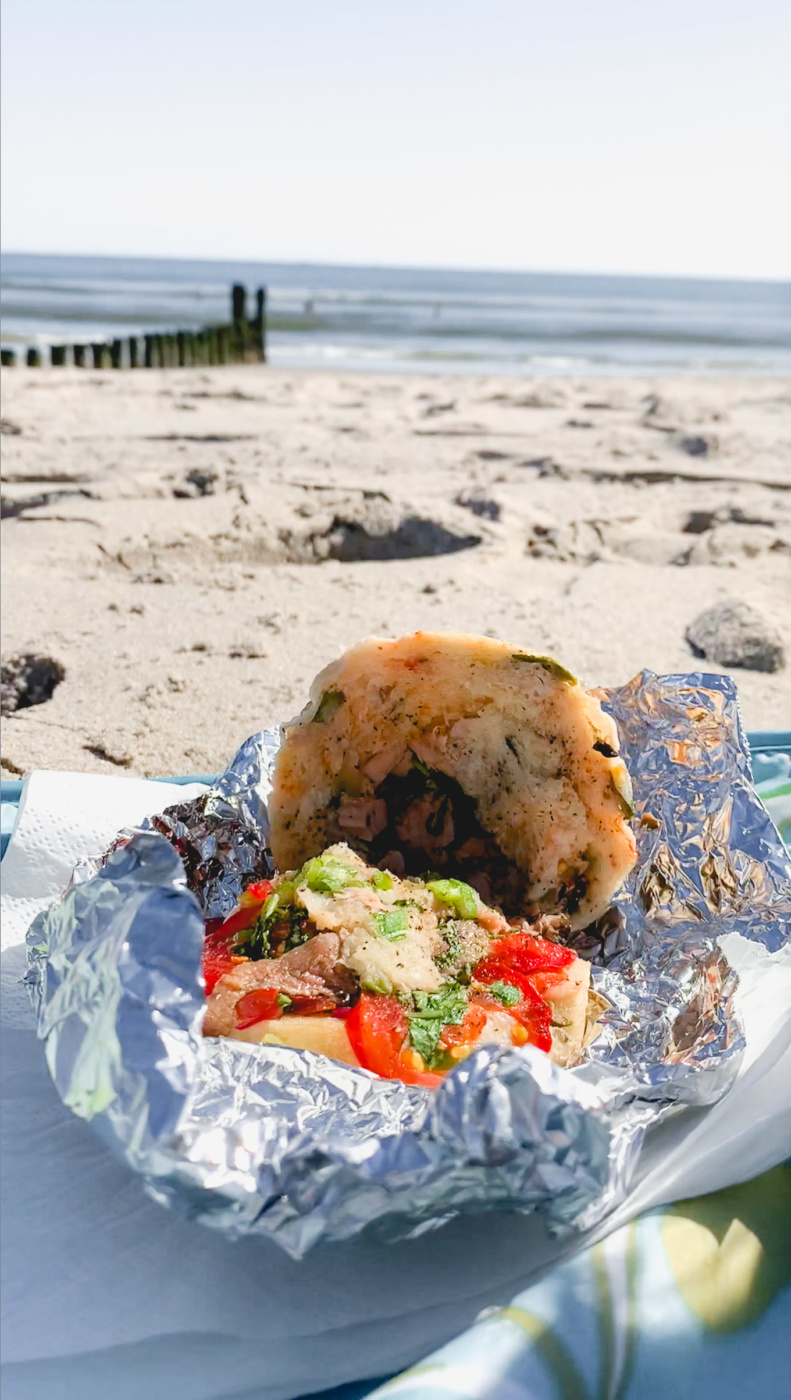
{"x":191,"y":546}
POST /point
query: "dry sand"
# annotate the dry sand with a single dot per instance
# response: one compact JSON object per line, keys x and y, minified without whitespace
{"x":187,"y":543}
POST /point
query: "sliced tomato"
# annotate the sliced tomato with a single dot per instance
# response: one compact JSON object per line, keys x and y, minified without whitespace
{"x":377,"y":1029}
{"x":260,"y":1005}
{"x":527,"y":953}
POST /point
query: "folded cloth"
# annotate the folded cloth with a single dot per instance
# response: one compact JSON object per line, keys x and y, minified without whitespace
{"x":106,"y":1293}
{"x":690,"y":1302}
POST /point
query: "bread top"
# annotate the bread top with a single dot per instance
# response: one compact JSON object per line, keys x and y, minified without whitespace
{"x":464,"y":755}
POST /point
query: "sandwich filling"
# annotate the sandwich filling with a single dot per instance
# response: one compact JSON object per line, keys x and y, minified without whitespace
{"x":400,"y":974}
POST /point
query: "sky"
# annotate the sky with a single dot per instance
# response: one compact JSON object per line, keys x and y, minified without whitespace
{"x":631,"y":136}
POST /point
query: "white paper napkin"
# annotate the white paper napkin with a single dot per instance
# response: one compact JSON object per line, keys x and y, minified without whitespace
{"x":107,"y":1293}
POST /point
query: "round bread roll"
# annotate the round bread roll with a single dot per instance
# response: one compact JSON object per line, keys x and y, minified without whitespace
{"x":466,"y":756}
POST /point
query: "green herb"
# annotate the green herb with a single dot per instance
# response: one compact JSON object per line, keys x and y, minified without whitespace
{"x":330,"y":701}
{"x":256,"y":940}
{"x":433,"y":1012}
{"x":380,"y":984}
{"x":392,"y":925}
{"x":382,"y":880}
{"x":327,"y":875}
{"x":548,"y":663}
{"x":459,"y":896}
{"x":283,"y":1000}
{"x":407,"y":903}
{"x":505,"y":993}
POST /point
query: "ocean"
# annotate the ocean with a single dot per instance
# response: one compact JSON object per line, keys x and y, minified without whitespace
{"x":415,"y":320}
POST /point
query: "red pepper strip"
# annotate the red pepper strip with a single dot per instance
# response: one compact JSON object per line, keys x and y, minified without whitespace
{"x":218,"y":957}
{"x":527,"y":953}
{"x":342,"y":1012}
{"x":532,"y":1012}
{"x":260,"y":890}
{"x":260,"y":1005}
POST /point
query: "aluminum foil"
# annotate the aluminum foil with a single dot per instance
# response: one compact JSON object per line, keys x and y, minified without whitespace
{"x":256,"y":1139}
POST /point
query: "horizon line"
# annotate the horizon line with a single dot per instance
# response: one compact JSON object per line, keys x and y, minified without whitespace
{"x":406,"y":267}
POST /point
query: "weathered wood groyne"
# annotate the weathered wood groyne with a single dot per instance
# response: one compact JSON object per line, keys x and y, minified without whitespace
{"x":242,"y":340}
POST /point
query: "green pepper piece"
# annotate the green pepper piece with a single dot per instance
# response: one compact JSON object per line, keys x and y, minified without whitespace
{"x":392,"y":924}
{"x":459,"y":896}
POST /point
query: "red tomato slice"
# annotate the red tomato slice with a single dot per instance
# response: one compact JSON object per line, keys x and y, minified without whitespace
{"x":526,"y":953}
{"x":377,"y":1029}
{"x":260,"y":1005}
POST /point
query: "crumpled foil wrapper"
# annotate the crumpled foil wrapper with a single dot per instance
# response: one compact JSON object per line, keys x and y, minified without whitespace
{"x":260,"y":1139}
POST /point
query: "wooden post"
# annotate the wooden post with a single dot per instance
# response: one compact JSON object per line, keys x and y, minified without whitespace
{"x":134,"y":352}
{"x":8,"y":358}
{"x":148,"y":351}
{"x":115,"y":354}
{"x":181,"y":348}
{"x":258,"y":326}
{"x":222,"y":345}
{"x":33,"y":357}
{"x":78,"y":354}
{"x":101,"y":355}
{"x":57,"y":355}
{"x":239,"y":316}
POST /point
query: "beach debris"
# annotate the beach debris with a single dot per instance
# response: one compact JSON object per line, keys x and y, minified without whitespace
{"x":579,"y":423}
{"x":734,"y":634}
{"x":28,"y":680}
{"x":695,"y":446}
{"x":479,"y":504}
{"x":9,"y":429}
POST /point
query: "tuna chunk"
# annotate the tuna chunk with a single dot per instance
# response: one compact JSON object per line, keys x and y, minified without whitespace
{"x":311,"y":970}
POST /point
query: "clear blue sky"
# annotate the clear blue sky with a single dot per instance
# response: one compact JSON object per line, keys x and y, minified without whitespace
{"x":601,"y":135}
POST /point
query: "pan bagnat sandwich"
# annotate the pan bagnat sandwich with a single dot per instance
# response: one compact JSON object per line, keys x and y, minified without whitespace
{"x":446,"y":810}
{"x":402,"y":976}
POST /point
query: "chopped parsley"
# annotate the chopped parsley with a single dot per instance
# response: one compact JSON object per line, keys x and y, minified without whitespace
{"x":393,"y":924}
{"x":505,"y":993}
{"x":433,"y":1012}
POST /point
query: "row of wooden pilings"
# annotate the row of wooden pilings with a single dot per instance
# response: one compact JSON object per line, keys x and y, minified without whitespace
{"x":241,"y":340}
